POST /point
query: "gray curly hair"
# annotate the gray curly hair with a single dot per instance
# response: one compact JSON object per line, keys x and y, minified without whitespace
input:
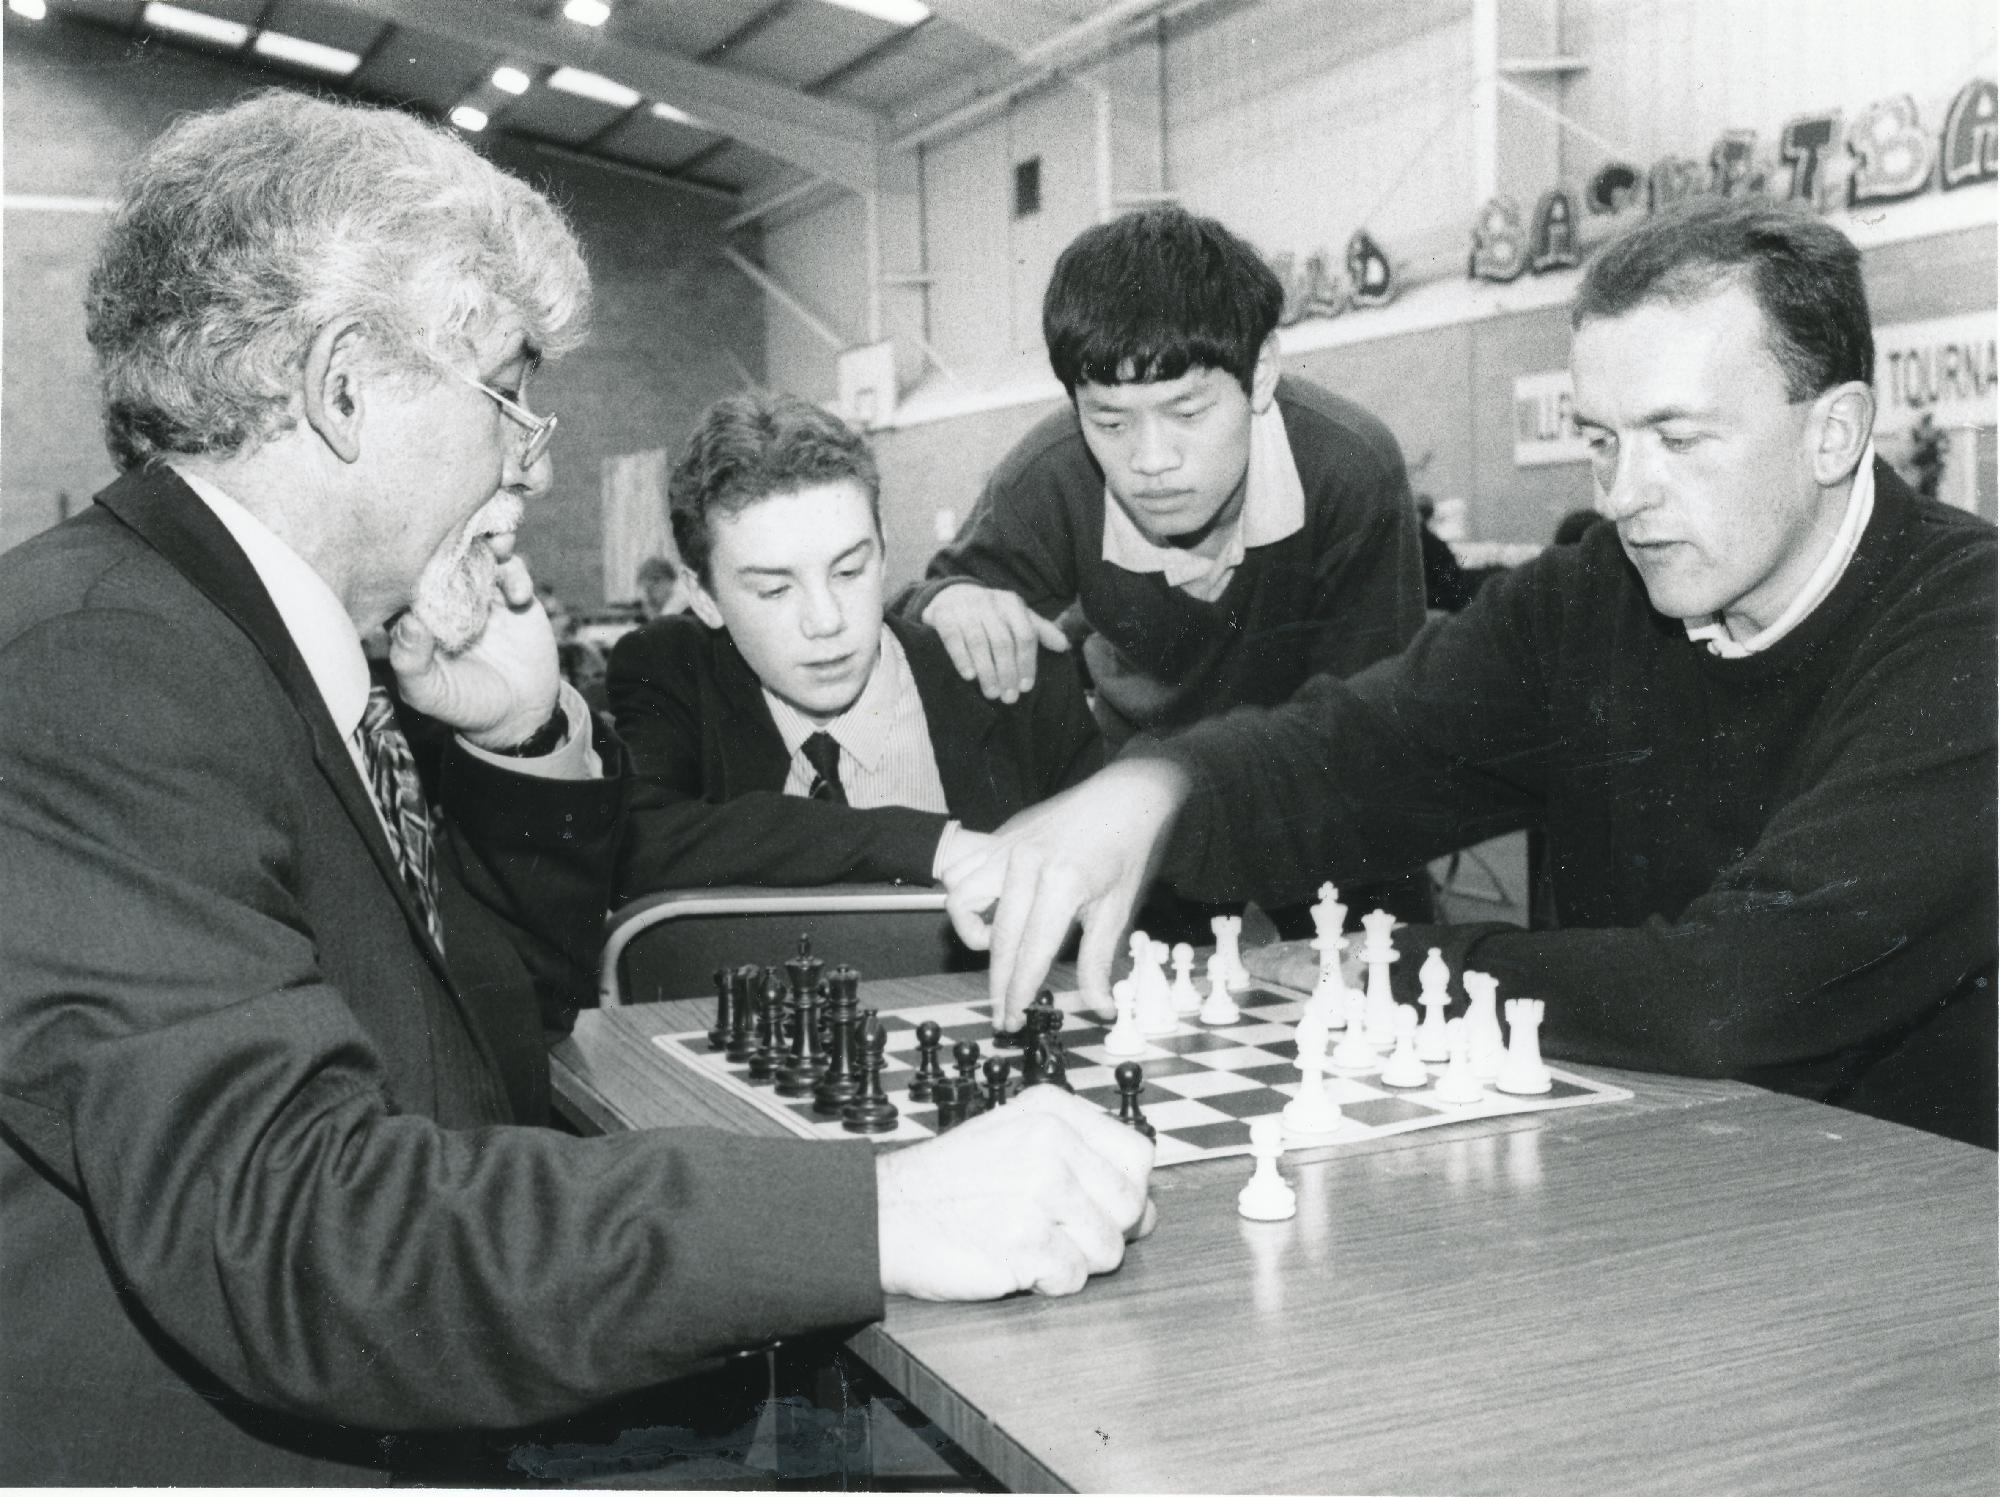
{"x":245,"y":230}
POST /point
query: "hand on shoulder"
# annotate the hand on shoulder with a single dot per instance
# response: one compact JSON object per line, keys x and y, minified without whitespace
{"x":992,"y":637}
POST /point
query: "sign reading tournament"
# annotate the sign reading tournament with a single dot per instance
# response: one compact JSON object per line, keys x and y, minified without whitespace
{"x":1943,"y":368}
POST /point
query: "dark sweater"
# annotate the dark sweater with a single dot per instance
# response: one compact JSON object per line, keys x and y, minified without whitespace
{"x":1342,"y":592}
{"x":1779,"y":868}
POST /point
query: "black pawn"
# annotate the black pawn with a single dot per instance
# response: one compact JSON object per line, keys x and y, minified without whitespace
{"x":996,"y":1081}
{"x":930,"y":1039}
{"x":871,"y":1111}
{"x":1130,"y":1078}
{"x":965,"y":1055}
{"x":741,"y":1039}
{"x":944,"y":1092}
{"x":718,"y":1036}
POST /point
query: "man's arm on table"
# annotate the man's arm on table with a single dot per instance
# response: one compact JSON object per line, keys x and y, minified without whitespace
{"x":993,"y":593}
{"x":677,"y":839}
{"x":183,"y":1068}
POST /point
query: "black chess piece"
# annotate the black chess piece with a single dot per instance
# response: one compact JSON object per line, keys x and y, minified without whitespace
{"x":944,"y":1092}
{"x":1055,"y":1061}
{"x":741,"y":1039}
{"x":930,"y":1039}
{"x":718,"y":1036}
{"x":770,"y":1024}
{"x":1043,"y":1063}
{"x":797,"y":1072}
{"x":1130,"y":1078}
{"x":871,"y":1111}
{"x":804,"y":969}
{"x":996,"y":1081}
{"x":842,"y":1081}
{"x":965,"y":1055}
{"x":815,"y":1022}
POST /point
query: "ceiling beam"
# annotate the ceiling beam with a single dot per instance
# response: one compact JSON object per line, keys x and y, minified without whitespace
{"x":1006,"y":24}
{"x":828,"y":137}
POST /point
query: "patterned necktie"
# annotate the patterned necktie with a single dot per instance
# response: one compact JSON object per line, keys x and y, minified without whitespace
{"x":822,"y":752}
{"x":392,"y":775}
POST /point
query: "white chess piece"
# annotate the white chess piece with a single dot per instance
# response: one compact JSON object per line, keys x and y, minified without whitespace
{"x":1150,"y":993}
{"x":1312,"y":1112}
{"x":1329,"y":914}
{"x":1229,"y":946}
{"x":1354,"y":1053}
{"x":1379,"y":952}
{"x":1124,"y":1037}
{"x":1522,"y":1072}
{"x":1267,"y":1198}
{"x":1405,"y":1068}
{"x":1329,"y":994}
{"x":1482,"y":1023}
{"x":1185,"y":999}
{"x":1458,"y":1084}
{"x":1435,"y":977}
{"x":1218,"y":1007}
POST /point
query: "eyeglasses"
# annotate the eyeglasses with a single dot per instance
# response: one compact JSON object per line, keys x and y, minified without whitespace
{"x":541,"y":429}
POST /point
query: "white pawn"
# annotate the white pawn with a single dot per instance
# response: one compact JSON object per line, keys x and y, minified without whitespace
{"x":1379,"y":952}
{"x":1312,"y":1113}
{"x":1435,"y":977}
{"x":1482,"y":1023}
{"x":1267,"y":1198}
{"x":1185,"y":999}
{"x":1218,"y":1007}
{"x":1405,"y":1067}
{"x":1124,"y":1037}
{"x":1354,"y":1053}
{"x":1150,"y":992}
{"x":1229,"y":946}
{"x":1522,"y":1073}
{"x":1458,"y":1084}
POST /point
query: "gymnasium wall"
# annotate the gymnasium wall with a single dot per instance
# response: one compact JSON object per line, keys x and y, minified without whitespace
{"x":675,"y":326}
{"x":1297,"y":121}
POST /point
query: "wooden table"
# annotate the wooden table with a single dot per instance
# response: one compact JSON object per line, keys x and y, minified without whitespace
{"x":1709,"y":1288}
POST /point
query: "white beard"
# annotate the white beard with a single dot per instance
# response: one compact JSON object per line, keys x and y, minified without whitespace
{"x":456,"y":589}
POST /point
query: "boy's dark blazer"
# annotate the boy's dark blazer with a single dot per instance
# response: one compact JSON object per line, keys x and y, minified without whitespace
{"x":710,"y":808}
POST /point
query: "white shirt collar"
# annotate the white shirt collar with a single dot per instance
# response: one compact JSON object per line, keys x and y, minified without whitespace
{"x":864,"y":729}
{"x":312,"y":615}
{"x":1274,"y":506}
{"x":1826,"y":576}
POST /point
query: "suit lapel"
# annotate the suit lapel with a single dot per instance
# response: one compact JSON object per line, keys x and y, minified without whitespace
{"x":961,"y":721}
{"x":755,"y":749}
{"x":170,"y":518}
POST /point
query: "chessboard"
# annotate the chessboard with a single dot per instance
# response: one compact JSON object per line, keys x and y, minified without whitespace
{"x":1202,"y":1087}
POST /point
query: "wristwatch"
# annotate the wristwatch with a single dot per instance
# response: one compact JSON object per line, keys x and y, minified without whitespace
{"x":544,"y":740}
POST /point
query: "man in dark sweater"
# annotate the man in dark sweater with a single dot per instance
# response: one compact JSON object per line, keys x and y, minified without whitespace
{"x":1224,"y":533}
{"x":783,"y":731}
{"x":1755,"y":717}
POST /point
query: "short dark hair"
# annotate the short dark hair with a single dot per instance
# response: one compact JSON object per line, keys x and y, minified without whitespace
{"x":1156,"y":293}
{"x":1804,"y":274}
{"x":745,"y":448}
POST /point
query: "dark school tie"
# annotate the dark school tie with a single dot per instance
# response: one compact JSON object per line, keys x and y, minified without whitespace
{"x":392,"y":776}
{"x":822,"y":752}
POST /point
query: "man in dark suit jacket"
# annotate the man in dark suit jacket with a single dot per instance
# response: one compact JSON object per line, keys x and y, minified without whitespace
{"x":775,"y":507}
{"x":269,"y":979}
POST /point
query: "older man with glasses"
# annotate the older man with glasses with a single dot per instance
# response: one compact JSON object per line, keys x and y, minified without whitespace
{"x":280,"y":939}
